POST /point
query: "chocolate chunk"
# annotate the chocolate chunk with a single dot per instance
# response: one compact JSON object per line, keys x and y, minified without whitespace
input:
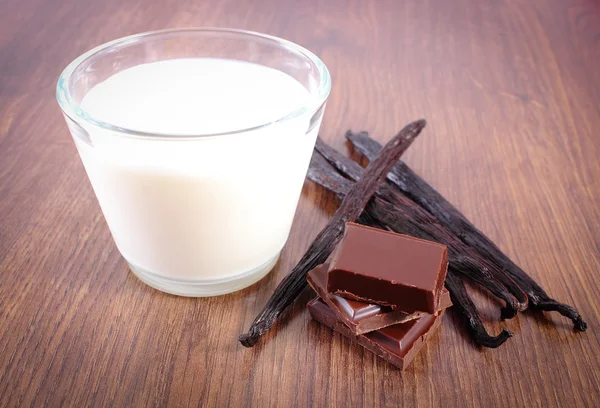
{"x":363,"y":317}
{"x":398,"y":344}
{"x":377,"y":266}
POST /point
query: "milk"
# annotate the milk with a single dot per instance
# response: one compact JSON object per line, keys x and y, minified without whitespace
{"x":198,"y":211}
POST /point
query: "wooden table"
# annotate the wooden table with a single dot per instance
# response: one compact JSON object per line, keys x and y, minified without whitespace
{"x":511,"y":91}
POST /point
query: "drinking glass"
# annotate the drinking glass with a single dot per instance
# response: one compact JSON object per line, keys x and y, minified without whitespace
{"x":197,"y":214}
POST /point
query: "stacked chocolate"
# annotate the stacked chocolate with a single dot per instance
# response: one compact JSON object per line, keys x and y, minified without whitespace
{"x":383,"y":290}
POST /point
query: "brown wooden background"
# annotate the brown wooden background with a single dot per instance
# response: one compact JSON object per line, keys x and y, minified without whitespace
{"x":511,"y":90}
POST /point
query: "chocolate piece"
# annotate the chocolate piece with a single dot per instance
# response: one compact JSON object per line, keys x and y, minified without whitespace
{"x":377,"y":266}
{"x":398,"y":344}
{"x":363,"y":317}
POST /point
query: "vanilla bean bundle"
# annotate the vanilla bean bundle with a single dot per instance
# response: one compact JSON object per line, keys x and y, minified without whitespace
{"x":407,"y":204}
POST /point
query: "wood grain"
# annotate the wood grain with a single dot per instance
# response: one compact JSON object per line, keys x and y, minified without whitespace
{"x":511,"y":92}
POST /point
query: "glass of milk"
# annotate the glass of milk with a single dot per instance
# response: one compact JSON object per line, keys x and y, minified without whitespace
{"x":196,"y":143}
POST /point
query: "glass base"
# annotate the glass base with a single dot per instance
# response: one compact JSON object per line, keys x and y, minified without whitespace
{"x":203,"y":288}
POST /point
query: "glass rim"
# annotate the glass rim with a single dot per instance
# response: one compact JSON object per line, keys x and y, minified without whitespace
{"x":74,"y":111}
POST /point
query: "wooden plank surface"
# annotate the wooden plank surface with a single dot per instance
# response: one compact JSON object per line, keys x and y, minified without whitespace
{"x":511,"y":91}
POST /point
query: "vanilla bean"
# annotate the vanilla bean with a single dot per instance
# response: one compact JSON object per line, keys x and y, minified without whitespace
{"x":376,"y":214}
{"x":477,"y":268}
{"x":460,"y":297}
{"x":350,"y":209}
{"x":427,"y":197}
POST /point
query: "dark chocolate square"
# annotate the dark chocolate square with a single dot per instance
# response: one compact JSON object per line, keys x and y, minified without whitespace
{"x":382,"y":267}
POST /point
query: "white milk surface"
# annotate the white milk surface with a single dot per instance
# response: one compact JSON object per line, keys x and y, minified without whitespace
{"x":206,"y":208}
